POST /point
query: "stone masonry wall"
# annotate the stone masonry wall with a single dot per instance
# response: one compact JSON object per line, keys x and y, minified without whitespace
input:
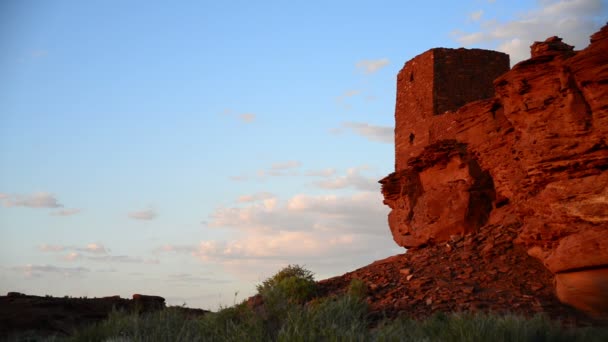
{"x":437,"y":81}
{"x":462,"y":76}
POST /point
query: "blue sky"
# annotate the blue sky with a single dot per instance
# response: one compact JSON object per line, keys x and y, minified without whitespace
{"x":191,"y":149}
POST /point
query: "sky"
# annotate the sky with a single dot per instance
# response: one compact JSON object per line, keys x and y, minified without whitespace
{"x":190,"y":149}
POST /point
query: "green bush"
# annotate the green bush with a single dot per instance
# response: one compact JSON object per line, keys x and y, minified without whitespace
{"x":283,"y":295}
{"x":293,"y":283}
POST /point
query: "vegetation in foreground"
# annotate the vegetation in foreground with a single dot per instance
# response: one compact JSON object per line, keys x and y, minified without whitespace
{"x":290,"y":313}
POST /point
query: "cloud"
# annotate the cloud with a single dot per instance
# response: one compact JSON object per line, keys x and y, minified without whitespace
{"x":35,"y":200}
{"x":93,"y":248}
{"x":291,"y":164}
{"x":72,"y":256}
{"x":476,"y":16}
{"x":572,"y":20}
{"x":238,"y":178}
{"x":30,"y":270}
{"x":51,"y":248}
{"x":191,"y":278}
{"x":347,"y":94}
{"x":340,"y":99}
{"x":176,"y":248}
{"x":247,"y":117}
{"x":361,"y":212}
{"x":122,"y":259}
{"x":353,"y":178}
{"x":281,"y":169}
{"x":66,"y":212}
{"x":147,"y":214}
{"x":384,"y":134}
{"x":371,"y":66}
{"x":243,"y":117}
{"x":93,"y":252}
{"x":322,"y":231}
{"x":259,"y":196}
{"x":321,"y":173}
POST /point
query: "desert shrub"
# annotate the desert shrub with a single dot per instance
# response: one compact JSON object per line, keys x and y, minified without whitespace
{"x":357,"y":288}
{"x":284,"y":294}
{"x":294,"y":283}
{"x":332,"y":319}
{"x":235,"y":323}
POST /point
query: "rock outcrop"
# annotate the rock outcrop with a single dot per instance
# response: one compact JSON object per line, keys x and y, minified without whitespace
{"x":529,"y":150}
{"x":53,"y":316}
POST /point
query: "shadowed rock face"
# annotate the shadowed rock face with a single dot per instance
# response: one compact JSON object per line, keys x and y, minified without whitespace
{"x":443,"y":192}
{"x":534,"y":155}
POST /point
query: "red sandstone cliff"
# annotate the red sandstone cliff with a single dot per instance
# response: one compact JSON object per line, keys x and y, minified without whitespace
{"x":528,"y":152}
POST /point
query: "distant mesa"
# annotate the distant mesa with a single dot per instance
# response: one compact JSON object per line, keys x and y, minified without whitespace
{"x":61,"y":315}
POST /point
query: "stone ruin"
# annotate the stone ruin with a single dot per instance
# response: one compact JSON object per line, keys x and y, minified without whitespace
{"x":479,"y":145}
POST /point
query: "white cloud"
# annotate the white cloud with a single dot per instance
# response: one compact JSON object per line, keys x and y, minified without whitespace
{"x":281,"y":169}
{"x":30,"y":270}
{"x":353,"y":178}
{"x":361,"y":212}
{"x":325,"y":232}
{"x":243,"y":117}
{"x":192,"y":278}
{"x":93,"y":252}
{"x":51,"y":248}
{"x":35,"y":200}
{"x":370,"y":66}
{"x":247,"y":117}
{"x":176,"y":248}
{"x":95,"y":248}
{"x":476,"y":16}
{"x":321,"y":173}
{"x":341,"y":99}
{"x":258,"y":196}
{"x":92,"y":248}
{"x":329,"y":232}
{"x":66,"y":212}
{"x":72,"y":256}
{"x":122,"y":259}
{"x":291,"y":164}
{"x":147,"y":214}
{"x":347,"y":94}
{"x":572,"y":20}
{"x":384,"y":134}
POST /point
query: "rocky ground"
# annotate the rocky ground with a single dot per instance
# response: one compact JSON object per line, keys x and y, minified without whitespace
{"x":478,"y":272}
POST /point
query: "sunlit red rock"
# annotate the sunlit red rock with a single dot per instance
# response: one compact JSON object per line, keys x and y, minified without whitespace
{"x":529,"y":150}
